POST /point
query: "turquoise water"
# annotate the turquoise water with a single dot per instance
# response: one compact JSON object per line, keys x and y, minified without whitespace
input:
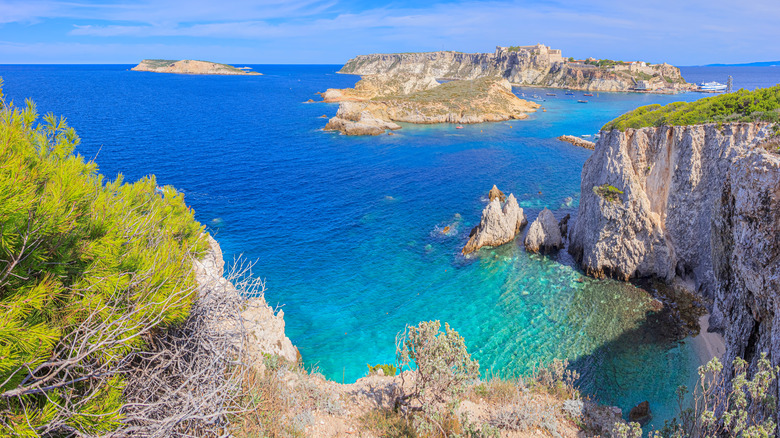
{"x":347,"y":231}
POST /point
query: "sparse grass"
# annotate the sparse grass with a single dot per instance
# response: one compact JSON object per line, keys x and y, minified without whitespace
{"x":387,"y":423}
{"x":283,"y":400}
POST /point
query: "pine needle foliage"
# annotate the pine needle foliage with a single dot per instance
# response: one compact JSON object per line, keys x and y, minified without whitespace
{"x":88,"y":271}
{"x":762,"y":104}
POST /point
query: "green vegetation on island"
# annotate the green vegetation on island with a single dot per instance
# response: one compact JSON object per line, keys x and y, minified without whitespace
{"x":89,"y":271}
{"x":762,"y":104}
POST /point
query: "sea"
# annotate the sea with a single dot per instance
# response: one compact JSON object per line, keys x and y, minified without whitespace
{"x":349,"y":232}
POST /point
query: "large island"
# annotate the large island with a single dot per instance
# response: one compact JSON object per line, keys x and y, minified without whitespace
{"x":537,"y":65}
{"x":190,"y":67}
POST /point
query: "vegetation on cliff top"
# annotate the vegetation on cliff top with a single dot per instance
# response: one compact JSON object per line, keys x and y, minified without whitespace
{"x":89,"y":271}
{"x":762,"y":104}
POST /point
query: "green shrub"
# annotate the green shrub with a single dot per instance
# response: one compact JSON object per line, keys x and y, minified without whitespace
{"x":744,"y":106}
{"x":442,"y":368}
{"x":88,"y":271}
{"x":387,"y":369}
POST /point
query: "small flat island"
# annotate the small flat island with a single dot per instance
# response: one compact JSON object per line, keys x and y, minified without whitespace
{"x":190,"y":67}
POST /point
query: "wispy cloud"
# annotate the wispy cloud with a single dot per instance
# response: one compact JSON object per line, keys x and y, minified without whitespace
{"x":684,"y":32}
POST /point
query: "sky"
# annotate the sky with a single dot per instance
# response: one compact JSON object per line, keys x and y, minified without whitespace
{"x":680,"y":32}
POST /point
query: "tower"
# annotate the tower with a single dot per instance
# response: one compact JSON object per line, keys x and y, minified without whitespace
{"x":729,"y":84}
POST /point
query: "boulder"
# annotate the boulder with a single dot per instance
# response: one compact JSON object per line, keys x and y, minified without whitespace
{"x":640,"y":413}
{"x":544,"y":235}
{"x":497,"y":226}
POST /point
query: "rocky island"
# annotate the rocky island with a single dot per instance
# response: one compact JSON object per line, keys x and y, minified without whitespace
{"x":190,"y":67}
{"x":378,"y":101}
{"x":536,"y":65}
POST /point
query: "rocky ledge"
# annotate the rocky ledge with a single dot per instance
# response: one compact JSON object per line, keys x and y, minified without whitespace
{"x":697,"y":203}
{"x":498,"y":225}
{"x":189,"y":67}
{"x":369,"y":109}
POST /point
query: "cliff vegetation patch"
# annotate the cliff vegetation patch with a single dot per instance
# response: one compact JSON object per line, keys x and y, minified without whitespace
{"x":608,"y":192}
{"x":760,"y":105}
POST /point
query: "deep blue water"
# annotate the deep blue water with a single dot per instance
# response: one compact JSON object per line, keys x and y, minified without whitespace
{"x":347,"y":231}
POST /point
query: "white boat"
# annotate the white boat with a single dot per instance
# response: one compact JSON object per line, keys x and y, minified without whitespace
{"x":712,"y":86}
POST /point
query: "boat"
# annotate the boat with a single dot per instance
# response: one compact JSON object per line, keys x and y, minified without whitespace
{"x":569,"y":93}
{"x":582,"y":101}
{"x":587,"y":94}
{"x":712,"y":86}
{"x":458,"y":127}
{"x":551,"y":94}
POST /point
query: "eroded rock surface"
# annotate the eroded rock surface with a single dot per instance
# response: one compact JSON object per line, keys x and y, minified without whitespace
{"x":544,"y":234}
{"x":498,"y":225}
{"x":701,"y":203}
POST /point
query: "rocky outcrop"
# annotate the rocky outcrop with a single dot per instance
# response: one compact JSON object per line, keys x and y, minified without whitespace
{"x":261,"y":326}
{"x":462,"y":102}
{"x":496,"y":193}
{"x":577,"y":141}
{"x":189,"y":67}
{"x":697,"y":202}
{"x":497,"y":226}
{"x":544,"y":235}
{"x":532,"y":66}
{"x":361,"y":118}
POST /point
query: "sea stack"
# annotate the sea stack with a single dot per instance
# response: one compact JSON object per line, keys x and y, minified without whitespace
{"x":498,"y":225}
{"x":544,"y":235}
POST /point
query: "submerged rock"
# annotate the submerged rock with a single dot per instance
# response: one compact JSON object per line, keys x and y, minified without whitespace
{"x":497,"y":226}
{"x":544,"y":235}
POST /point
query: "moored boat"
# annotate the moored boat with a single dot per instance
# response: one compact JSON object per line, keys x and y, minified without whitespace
{"x":582,"y":101}
{"x":712,"y":86}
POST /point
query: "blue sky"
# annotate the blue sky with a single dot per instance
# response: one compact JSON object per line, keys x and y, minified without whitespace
{"x":681,"y":32}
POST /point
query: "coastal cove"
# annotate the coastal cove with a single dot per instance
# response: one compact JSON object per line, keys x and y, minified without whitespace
{"x":348,"y":232}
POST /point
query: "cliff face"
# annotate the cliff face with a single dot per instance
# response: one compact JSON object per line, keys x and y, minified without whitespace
{"x":522,"y":67}
{"x":697,"y":202}
{"x":189,"y":67}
